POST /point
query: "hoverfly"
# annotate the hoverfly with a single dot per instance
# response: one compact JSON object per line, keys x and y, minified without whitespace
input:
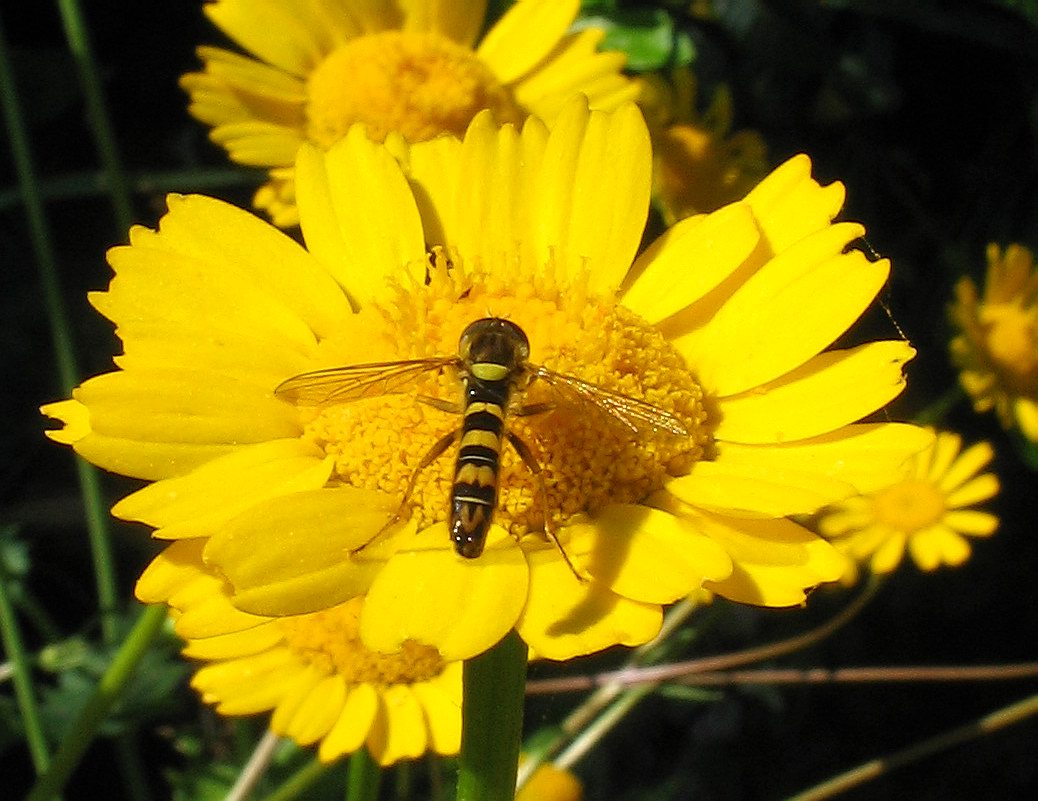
{"x":492,"y":365}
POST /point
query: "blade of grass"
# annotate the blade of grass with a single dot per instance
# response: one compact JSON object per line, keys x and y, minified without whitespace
{"x":24,"y":691}
{"x":94,"y":507}
{"x":108,"y":691}
{"x":78,"y":38}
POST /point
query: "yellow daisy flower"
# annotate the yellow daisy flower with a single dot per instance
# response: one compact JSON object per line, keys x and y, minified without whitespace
{"x":418,"y":69}
{"x":723,"y":324}
{"x":997,"y":347}
{"x":925,"y":510}
{"x":311,"y":671}
{"x":699,"y":164}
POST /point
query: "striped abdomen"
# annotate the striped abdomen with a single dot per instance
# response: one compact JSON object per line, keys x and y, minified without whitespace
{"x":474,"y":494}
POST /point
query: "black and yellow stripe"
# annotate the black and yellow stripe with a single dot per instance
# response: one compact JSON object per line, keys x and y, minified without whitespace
{"x":474,"y":494}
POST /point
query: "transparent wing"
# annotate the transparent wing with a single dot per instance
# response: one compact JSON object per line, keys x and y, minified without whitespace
{"x":636,"y":416}
{"x":356,"y":381}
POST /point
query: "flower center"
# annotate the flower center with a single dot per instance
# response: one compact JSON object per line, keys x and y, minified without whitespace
{"x":587,"y":458}
{"x":910,"y":506}
{"x":420,"y":85}
{"x":1011,"y":341}
{"x":330,"y":640}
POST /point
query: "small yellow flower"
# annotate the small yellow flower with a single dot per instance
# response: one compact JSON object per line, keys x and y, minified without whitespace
{"x":725,"y":323}
{"x":925,"y":510}
{"x":997,"y":347}
{"x":311,"y":671}
{"x":551,"y":783}
{"x":699,"y":164}
{"x":417,"y":69}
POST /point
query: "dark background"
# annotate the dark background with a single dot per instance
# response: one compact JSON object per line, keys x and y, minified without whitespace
{"x":927,"y":111}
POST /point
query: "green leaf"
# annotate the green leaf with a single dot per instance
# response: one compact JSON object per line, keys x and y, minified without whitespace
{"x":646,"y":35}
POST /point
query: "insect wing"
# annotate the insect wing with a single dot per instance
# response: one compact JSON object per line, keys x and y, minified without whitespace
{"x":636,"y":416}
{"x":357,"y":381}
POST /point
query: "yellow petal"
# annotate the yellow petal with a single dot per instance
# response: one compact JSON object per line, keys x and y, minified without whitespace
{"x":776,"y":562}
{"x":308,"y":680}
{"x":250,"y":697}
{"x":294,"y":553}
{"x":790,"y":205}
{"x":460,"y":22}
{"x":565,"y":618}
{"x":177,"y":566}
{"x":398,"y":731}
{"x":689,"y":260}
{"x":358,"y":215}
{"x":257,"y":144}
{"x":938,"y":546}
{"x":526,"y":33}
{"x":182,"y":406}
{"x":972,"y":461}
{"x":971,"y":522}
{"x":936,"y":462}
{"x":198,"y":504}
{"x":785,"y":313}
{"x":591,"y":215}
{"x":159,"y":280}
{"x":441,"y":702}
{"x":757,"y":490}
{"x":235,"y":644}
{"x":355,"y":721}
{"x":576,"y":67}
{"x":282,"y":34}
{"x":74,"y":417}
{"x":979,"y":489}
{"x":318,"y":711}
{"x":831,"y":390}
{"x":226,"y":677}
{"x":490,"y":175}
{"x":460,"y":606}
{"x":434,"y":166}
{"x":865,"y":455}
{"x":649,"y":555}
{"x":249,"y":254}
{"x":888,"y":555}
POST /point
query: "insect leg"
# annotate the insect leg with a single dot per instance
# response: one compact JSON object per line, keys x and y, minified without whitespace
{"x":531,"y":464}
{"x":434,"y":453}
{"x":530,"y":409}
{"x":441,"y":404}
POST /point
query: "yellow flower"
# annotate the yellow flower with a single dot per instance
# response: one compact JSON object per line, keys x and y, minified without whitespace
{"x":699,"y":164}
{"x":997,"y":349}
{"x":551,"y":783}
{"x":417,"y":69}
{"x":723,"y":323}
{"x":925,"y":510}
{"x":312,"y":671}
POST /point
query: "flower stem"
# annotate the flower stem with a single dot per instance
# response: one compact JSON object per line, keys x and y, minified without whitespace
{"x":492,"y":722}
{"x":109,"y":689}
{"x":300,"y":781}
{"x":364,"y":777}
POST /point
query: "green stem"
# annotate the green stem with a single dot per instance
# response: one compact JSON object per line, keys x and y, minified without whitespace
{"x":492,"y":722}
{"x":108,"y":691}
{"x":300,"y":781}
{"x":22,"y":672}
{"x":364,"y":778}
{"x":61,"y":334}
{"x":100,"y":121}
